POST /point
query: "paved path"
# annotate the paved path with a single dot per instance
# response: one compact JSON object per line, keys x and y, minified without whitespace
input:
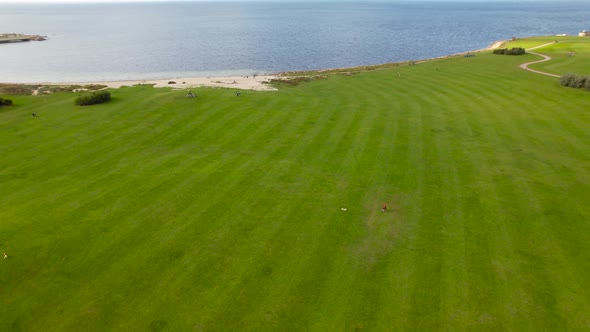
{"x":525,"y":66}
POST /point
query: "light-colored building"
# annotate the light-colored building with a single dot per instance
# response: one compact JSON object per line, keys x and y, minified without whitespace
{"x":584,"y":33}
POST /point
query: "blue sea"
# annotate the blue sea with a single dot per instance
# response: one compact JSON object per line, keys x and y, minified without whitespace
{"x":89,"y":42}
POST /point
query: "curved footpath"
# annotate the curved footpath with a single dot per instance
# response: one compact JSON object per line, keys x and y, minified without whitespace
{"x":525,"y":66}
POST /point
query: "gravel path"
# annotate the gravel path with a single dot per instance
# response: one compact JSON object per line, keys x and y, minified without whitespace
{"x":525,"y":66}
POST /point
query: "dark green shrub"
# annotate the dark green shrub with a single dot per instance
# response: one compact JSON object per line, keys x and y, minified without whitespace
{"x":512,"y":51}
{"x":5,"y":102}
{"x":515,"y":51}
{"x":580,"y":82}
{"x":94,"y":98}
{"x":567,"y":79}
{"x":575,"y":81}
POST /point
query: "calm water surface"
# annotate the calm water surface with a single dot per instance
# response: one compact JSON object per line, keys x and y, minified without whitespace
{"x":161,"y":40}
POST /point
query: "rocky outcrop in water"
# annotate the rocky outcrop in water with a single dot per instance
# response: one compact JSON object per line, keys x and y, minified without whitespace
{"x":19,"y":37}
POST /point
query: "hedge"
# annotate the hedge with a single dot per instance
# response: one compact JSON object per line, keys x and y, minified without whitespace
{"x":5,"y":102}
{"x":512,"y":51}
{"x":97,"y":97}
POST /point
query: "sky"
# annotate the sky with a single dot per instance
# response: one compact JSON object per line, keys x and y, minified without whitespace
{"x":73,"y":1}
{"x":81,"y":1}
{"x":116,"y":1}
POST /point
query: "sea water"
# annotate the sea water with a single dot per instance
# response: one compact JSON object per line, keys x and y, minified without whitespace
{"x":89,"y":42}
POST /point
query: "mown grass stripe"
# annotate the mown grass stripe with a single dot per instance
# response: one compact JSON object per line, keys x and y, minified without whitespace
{"x":324,"y":124}
{"x":515,"y":133}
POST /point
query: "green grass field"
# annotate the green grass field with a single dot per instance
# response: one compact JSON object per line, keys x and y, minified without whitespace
{"x":569,"y":54}
{"x":223,"y":213}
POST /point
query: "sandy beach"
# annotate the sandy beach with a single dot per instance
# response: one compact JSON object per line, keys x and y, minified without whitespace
{"x":237,"y":82}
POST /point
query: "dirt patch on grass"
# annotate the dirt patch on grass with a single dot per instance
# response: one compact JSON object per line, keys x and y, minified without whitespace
{"x":176,"y":255}
{"x":382,"y":231}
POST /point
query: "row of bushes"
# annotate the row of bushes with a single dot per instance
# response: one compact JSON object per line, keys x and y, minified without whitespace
{"x":512,"y":51}
{"x":5,"y":102}
{"x":575,"y":81}
{"x":97,"y":97}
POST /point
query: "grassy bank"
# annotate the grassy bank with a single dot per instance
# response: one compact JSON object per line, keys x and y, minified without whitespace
{"x":160,"y":212}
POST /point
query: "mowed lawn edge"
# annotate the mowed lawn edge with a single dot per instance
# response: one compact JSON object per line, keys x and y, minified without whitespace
{"x":160,"y":212}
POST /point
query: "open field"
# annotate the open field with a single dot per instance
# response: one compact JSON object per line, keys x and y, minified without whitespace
{"x":163,"y":213}
{"x":569,"y":54}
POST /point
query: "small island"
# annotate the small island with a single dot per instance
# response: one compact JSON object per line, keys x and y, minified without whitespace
{"x":18,"y":37}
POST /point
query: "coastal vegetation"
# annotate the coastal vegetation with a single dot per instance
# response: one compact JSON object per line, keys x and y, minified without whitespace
{"x":97,"y":97}
{"x":295,"y":80}
{"x":30,"y":89}
{"x":262,"y":212}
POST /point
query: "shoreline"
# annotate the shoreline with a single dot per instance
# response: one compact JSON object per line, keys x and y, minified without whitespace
{"x":258,"y":82}
{"x":494,"y":45}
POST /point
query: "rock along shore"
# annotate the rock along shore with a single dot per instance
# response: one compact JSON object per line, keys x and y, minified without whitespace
{"x":19,"y":37}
